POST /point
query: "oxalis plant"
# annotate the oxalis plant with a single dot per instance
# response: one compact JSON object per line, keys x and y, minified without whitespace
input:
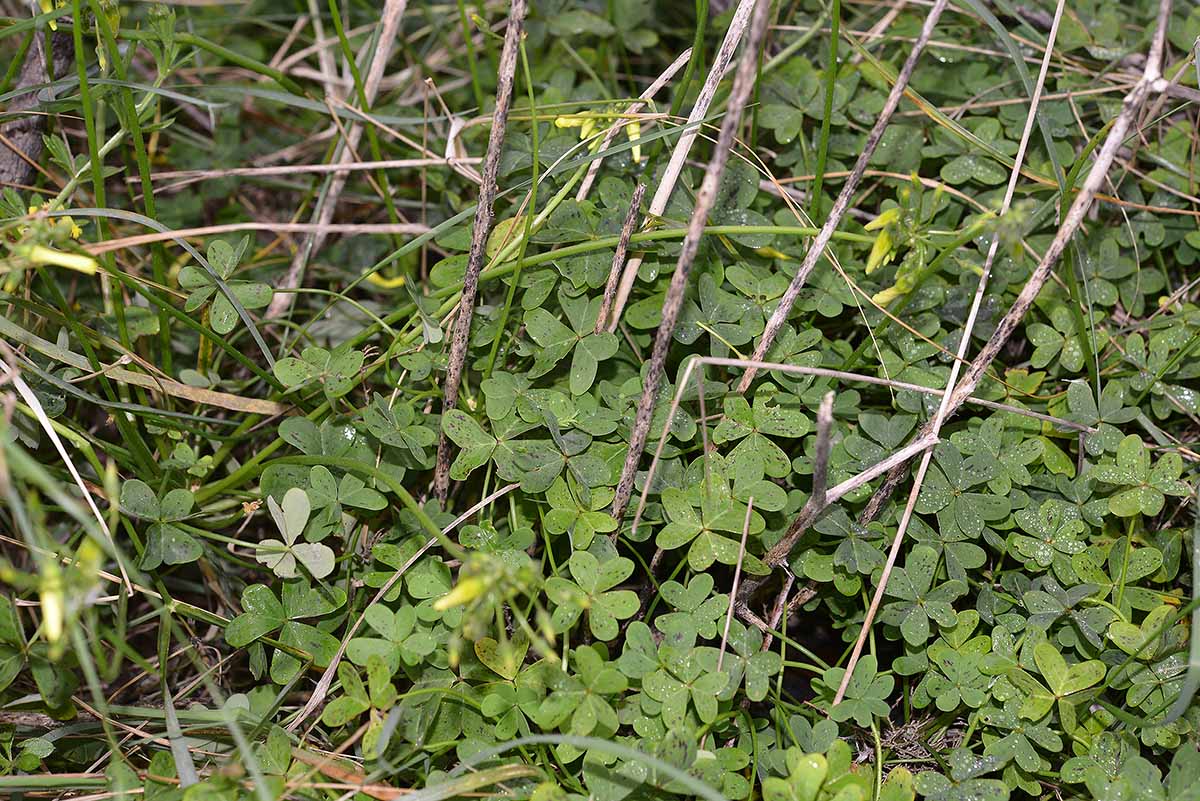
{"x":599,"y":400}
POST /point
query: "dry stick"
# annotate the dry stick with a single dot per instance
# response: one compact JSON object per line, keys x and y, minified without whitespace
{"x":1074,"y":218}
{"x":292,"y":169}
{"x":634,"y":108}
{"x":393,"y":11}
{"x":658,"y":204}
{"x":1097,"y":174}
{"x":821,"y":456}
{"x":779,"y":553}
{"x":743,"y":83}
{"x":322,"y":689}
{"x":817,"y":248}
{"x":479,"y":235}
{"x":614,"y":274}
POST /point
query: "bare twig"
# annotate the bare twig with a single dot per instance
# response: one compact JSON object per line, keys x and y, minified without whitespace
{"x":818,"y":500}
{"x":479,"y":235}
{"x":658,"y":203}
{"x":614,"y":274}
{"x":821,"y":454}
{"x":389,"y":26}
{"x":743,"y":83}
{"x":1149,"y":82}
{"x":817,"y":248}
{"x":934,"y":426}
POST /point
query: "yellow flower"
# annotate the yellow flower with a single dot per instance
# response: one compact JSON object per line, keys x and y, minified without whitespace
{"x":634,"y":131}
{"x":881,"y":251}
{"x":464,"y":592}
{"x":886,"y":218}
{"x":886,"y":296}
{"x":40,"y":254}
{"x":53,"y":609}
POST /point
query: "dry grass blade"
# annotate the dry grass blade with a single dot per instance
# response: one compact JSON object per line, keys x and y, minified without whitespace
{"x":479,"y":235}
{"x":658,"y":203}
{"x":737,"y":578}
{"x":614,"y":274}
{"x":167,"y":386}
{"x":1096,"y":177}
{"x":316,"y":229}
{"x":389,"y":26}
{"x":743,"y":84}
{"x":31,"y":400}
{"x":817,"y":248}
{"x":935,"y":426}
{"x":821,"y":455}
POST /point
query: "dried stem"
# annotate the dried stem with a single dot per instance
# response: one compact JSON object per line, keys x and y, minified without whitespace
{"x":817,"y":248}
{"x":614,"y":274}
{"x":821,"y":454}
{"x":658,"y":203}
{"x":393,"y":12}
{"x":743,"y":83}
{"x":935,"y":425}
{"x":479,"y":235}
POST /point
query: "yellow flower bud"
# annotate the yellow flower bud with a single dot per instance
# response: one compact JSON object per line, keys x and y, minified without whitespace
{"x":39,"y":254}
{"x":53,"y":609}
{"x":464,"y":592}
{"x":886,"y":218}
{"x":886,"y":296}
{"x":634,"y":131}
{"x":881,"y":251}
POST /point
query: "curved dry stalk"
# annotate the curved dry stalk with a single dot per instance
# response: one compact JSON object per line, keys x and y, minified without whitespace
{"x":393,"y":12}
{"x":817,"y":248}
{"x":322,"y":689}
{"x":479,"y":235}
{"x":934,"y":426}
{"x":743,"y":83}
{"x":318,"y":229}
{"x":658,"y":203}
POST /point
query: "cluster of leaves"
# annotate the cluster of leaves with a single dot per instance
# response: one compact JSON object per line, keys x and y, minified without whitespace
{"x":1032,"y":636}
